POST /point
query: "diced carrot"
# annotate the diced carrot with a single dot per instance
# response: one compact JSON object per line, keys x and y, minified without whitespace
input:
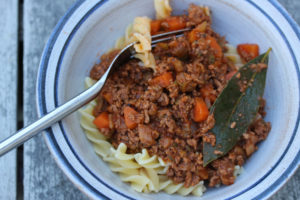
{"x":169,"y":24}
{"x":215,"y":46}
{"x":155,"y":26}
{"x":248,"y":51}
{"x":163,"y":80}
{"x":108,"y":97}
{"x":203,"y":173}
{"x":175,"y":23}
{"x":194,"y":34}
{"x":229,"y":75}
{"x":200,"y":110}
{"x":129,"y":114}
{"x":208,"y":92}
{"x":102,"y":120}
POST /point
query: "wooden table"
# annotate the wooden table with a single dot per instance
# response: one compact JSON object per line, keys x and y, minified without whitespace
{"x":30,"y":172}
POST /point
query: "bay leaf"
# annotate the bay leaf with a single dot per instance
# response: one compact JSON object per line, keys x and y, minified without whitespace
{"x":236,"y":107}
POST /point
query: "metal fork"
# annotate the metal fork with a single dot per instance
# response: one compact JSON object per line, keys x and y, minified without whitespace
{"x":77,"y":102}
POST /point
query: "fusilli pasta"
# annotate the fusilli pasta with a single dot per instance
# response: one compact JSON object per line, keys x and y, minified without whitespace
{"x":139,"y":32}
{"x":233,"y":56}
{"x":163,"y":8}
{"x":169,"y":187}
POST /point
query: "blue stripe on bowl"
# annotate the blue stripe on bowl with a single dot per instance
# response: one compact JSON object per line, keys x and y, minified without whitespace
{"x":57,"y":73}
{"x":296,"y":162}
{"x":51,"y":139}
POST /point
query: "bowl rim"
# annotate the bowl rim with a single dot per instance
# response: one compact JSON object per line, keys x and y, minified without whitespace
{"x":71,"y":172}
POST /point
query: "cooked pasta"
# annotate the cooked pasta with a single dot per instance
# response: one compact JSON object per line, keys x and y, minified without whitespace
{"x":233,"y":55}
{"x":147,"y":59}
{"x":162,"y":8}
{"x":139,"y":32}
{"x":238,"y":170}
{"x":169,"y":187}
{"x":124,"y":40}
{"x":131,"y":171}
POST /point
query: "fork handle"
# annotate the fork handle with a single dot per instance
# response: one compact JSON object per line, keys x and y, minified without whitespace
{"x":49,"y":119}
{"x":74,"y":104}
{"x":64,"y":110}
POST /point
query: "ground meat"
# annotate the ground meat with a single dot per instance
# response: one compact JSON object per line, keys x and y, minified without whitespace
{"x":163,"y":116}
{"x":225,"y":169}
{"x":98,"y":70}
{"x":176,"y":64}
{"x":197,"y":15}
{"x":153,"y":93}
{"x":146,"y":135}
{"x":257,"y":132}
{"x":261,"y":129}
{"x":237,"y":155}
{"x":166,"y":120}
{"x":163,"y":67}
{"x":100,"y":107}
{"x":119,"y":122}
{"x":165,"y":142}
{"x":209,"y":138}
{"x":214,"y":178}
{"x":193,"y":143}
{"x":185,"y":82}
{"x":182,"y":108}
{"x":205,"y":126}
{"x":179,"y":48}
{"x":163,"y":100}
{"x":173,"y":90}
{"x":107,"y":132}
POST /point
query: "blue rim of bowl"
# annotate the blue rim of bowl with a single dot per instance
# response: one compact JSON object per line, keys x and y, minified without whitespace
{"x":51,"y":139}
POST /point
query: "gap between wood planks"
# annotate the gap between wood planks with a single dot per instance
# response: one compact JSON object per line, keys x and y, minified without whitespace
{"x":20,"y":121}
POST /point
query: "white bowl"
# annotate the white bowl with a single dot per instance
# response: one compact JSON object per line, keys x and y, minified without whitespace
{"x":91,"y":27}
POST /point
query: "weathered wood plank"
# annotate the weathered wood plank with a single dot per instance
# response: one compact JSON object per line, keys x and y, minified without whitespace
{"x":8,"y":92}
{"x":292,"y":6}
{"x":290,"y":191}
{"x":42,"y":178}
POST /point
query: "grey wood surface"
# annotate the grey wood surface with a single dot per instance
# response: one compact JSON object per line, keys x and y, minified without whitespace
{"x":8,"y":92}
{"x":40,"y":18}
{"x":42,"y":178}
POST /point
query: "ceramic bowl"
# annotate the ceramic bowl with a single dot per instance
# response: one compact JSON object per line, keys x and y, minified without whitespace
{"x":91,"y":27}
